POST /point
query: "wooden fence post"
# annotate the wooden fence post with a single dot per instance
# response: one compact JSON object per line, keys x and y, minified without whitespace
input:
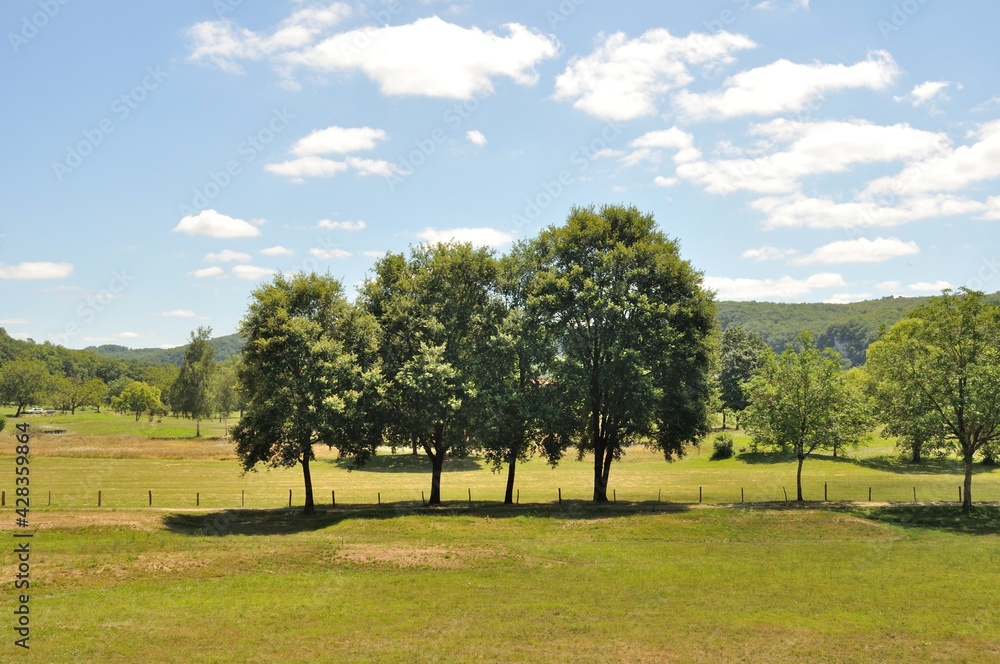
{"x":333,"y":497}
{"x":785,"y":492}
{"x":243,"y":497}
{"x":197,"y":499}
{"x":824,"y":492}
{"x":470,"y":497}
{"x":869,"y":494}
{"x":741,"y":494}
{"x":289,"y":497}
{"x":98,"y":497}
{"x":150,"y":497}
{"x":560,"y":495}
{"x":699,"y":494}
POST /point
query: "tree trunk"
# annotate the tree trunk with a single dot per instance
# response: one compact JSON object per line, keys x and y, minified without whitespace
{"x":72,"y":410}
{"x":835,"y":450}
{"x":309,"y":508}
{"x":437,"y":464}
{"x":197,"y":428}
{"x":414,"y":442}
{"x":798,"y":479}
{"x":723,"y":419}
{"x":600,"y":486}
{"x":967,"y":493}
{"x":916,"y":452}
{"x":508,"y":497}
{"x":19,"y":407}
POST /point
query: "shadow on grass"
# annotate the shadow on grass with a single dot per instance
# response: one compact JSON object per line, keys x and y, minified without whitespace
{"x":932,"y":466}
{"x":290,"y":521}
{"x":982,"y":520}
{"x":765,"y":457}
{"x":404,"y":463}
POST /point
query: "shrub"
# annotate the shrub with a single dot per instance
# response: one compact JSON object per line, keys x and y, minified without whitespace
{"x":3,"y":422}
{"x":722,"y":448}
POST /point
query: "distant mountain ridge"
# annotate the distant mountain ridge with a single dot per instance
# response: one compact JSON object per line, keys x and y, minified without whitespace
{"x":225,"y":347}
{"x":778,"y":323}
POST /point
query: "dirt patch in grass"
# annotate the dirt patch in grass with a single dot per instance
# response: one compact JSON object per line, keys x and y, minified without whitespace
{"x":131,"y":447}
{"x":396,"y":554}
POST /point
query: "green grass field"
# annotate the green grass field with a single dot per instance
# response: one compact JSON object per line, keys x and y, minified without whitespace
{"x":633,"y":581}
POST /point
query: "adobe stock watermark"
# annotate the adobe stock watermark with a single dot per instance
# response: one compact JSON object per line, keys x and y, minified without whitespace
{"x":121,"y":108}
{"x":551,"y":190}
{"x":247,"y":151}
{"x":899,"y":16}
{"x":424,"y":148}
{"x":33,"y":24}
{"x":94,"y":304}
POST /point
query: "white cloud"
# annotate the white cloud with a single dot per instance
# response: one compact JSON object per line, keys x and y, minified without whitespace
{"x":785,"y":86}
{"x":767,"y":253}
{"x":668,"y":139}
{"x":925,"y":92}
{"x":307,"y":167}
{"x":30,"y":271}
{"x":129,"y":335}
{"x":373,"y":254}
{"x":623,"y":79}
{"x":277,"y":250}
{"x":375,"y":167}
{"x":951,"y":170}
{"x":800,"y":211}
{"x":431,"y":57}
{"x":14,"y":321}
{"x":889,"y":286}
{"x":207,"y":272}
{"x":227,"y":256}
{"x":179,"y":313}
{"x":861,"y":250}
{"x":329,"y":254}
{"x":661,"y":181}
{"x":476,"y":137}
{"x":222,"y":43}
{"x":480,"y":237}
{"x":217,"y":225}
{"x":338,"y":140}
{"x":252,"y":272}
{"x":847,"y":298}
{"x":342,"y":225}
{"x":810,"y":148}
{"x":785,"y":287}
{"x":929,"y":287}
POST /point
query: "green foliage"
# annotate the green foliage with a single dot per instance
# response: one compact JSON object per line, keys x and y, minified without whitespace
{"x":190,"y":393}
{"x":741,"y":357}
{"x":224,"y":347}
{"x":936,"y":375}
{"x":3,"y":422}
{"x":24,"y":382}
{"x":633,"y":326}
{"x":802,"y":401}
{"x":309,"y":375}
{"x":722,"y":447}
{"x":137,"y":398}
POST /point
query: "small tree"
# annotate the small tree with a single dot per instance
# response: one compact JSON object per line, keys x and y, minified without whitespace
{"x":225,"y":391}
{"x":741,"y":357}
{"x":944,"y":358}
{"x":801,"y":400}
{"x":137,"y":398}
{"x":24,"y":382}
{"x":191,"y":393}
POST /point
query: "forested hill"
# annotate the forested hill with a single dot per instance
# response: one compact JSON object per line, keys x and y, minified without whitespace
{"x":225,"y":347}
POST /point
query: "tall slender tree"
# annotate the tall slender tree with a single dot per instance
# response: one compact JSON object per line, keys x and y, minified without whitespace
{"x":191,"y":393}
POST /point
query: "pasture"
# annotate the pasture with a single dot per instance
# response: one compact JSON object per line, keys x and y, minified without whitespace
{"x":633,"y":581}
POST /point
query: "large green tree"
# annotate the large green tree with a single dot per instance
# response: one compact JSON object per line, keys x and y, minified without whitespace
{"x":191,"y":392}
{"x":945,"y":357}
{"x":137,"y":398}
{"x":802,"y":401}
{"x":309,"y":376}
{"x":437,"y":311}
{"x":741,"y":356}
{"x":24,"y":382}
{"x":633,"y":325}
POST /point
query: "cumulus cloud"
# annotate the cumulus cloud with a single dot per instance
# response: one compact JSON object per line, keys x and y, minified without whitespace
{"x":252,"y":272}
{"x":761,"y":289}
{"x":480,"y":237}
{"x":338,"y":140}
{"x":207,"y":272}
{"x":329,"y":254}
{"x":925,"y":93}
{"x":847,"y":298}
{"x":861,"y":250}
{"x":342,"y":225}
{"x":215,"y":224}
{"x":431,"y":57}
{"x":223,"y":44}
{"x":932,"y":287}
{"x":785,"y":86}
{"x":801,"y":211}
{"x":307,"y":167}
{"x":277,"y":250}
{"x":179,"y":313}
{"x":624,"y":78}
{"x":767,"y":253}
{"x":33,"y":271}
{"x":475,"y":137}
{"x":227,"y":256}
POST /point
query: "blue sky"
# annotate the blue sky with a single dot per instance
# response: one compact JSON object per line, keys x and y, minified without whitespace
{"x":163,"y":158}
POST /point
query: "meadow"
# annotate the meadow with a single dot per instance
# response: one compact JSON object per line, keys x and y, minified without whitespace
{"x":645,"y":579}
